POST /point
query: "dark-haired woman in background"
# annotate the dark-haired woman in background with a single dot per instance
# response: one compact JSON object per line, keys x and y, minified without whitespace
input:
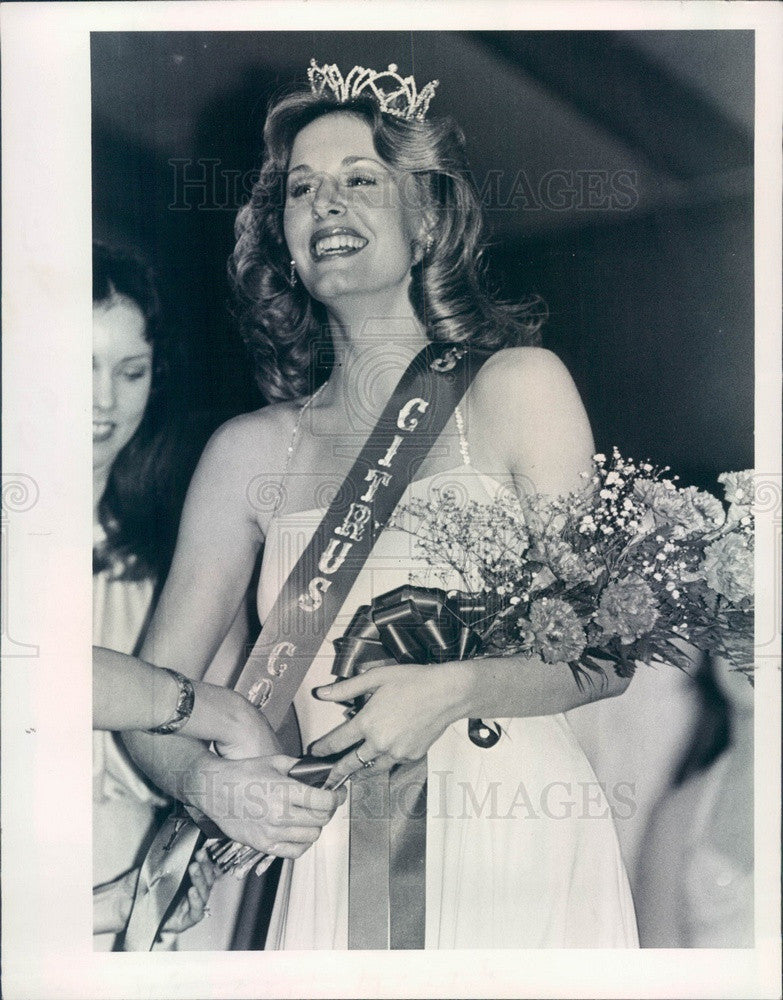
{"x":374,"y":251}
{"x":134,"y":511}
{"x":140,"y":465}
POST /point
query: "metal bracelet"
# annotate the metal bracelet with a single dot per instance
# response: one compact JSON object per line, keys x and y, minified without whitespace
{"x":184,"y":706}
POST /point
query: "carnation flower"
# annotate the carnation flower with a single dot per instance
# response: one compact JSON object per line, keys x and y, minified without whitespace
{"x":689,"y":510}
{"x":566,"y":564}
{"x":704,"y":508}
{"x":728,"y":567}
{"x":738,"y":486}
{"x":627,"y":608}
{"x":739,"y":489}
{"x":553,"y":631}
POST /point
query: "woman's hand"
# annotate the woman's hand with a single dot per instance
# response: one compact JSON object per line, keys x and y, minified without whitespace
{"x":236,"y":727}
{"x":192,"y":907}
{"x":113,"y":901}
{"x":253,"y":801}
{"x":409,"y":708}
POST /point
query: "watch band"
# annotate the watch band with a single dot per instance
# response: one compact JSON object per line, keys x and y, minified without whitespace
{"x":184,"y":705}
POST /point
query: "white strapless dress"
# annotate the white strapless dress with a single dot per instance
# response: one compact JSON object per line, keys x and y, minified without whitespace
{"x":521,"y":844}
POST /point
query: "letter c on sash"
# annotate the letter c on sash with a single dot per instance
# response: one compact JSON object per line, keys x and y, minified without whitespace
{"x":276,"y":665}
{"x":404,"y":419}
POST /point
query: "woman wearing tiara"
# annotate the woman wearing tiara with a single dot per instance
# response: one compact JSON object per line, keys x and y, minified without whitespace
{"x":372,"y":253}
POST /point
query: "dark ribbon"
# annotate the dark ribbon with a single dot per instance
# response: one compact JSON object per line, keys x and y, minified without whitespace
{"x":388,"y":824}
{"x":416,"y":625}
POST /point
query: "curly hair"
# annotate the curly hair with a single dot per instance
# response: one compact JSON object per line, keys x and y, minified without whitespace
{"x":137,"y":510}
{"x":448,"y":292}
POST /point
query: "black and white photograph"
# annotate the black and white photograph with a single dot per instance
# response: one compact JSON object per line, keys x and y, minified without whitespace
{"x":435,"y":501}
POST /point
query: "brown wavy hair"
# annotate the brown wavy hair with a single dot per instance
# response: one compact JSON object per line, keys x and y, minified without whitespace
{"x":449,"y":293}
{"x":139,"y":508}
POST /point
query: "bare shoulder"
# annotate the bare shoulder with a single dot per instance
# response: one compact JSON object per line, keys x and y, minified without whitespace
{"x":258,"y":438}
{"x":242,"y":465}
{"x":532,"y":417}
{"x":525,"y":372}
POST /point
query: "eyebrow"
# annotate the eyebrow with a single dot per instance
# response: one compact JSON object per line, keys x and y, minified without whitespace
{"x":347,"y":162}
{"x":135,"y":357}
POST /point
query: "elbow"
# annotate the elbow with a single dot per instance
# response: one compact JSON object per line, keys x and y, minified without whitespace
{"x":620,"y":686}
{"x":606,"y":685}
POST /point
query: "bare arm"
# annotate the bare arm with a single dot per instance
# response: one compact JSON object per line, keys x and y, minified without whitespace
{"x":546,"y":446}
{"x":129,"y":693}
{"x":217,"y":546}
{"x":542,"y":438}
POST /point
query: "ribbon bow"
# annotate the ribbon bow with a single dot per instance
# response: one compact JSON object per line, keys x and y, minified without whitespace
{"x":415,"y":625}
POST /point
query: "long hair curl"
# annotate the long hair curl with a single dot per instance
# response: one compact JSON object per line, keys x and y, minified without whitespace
{"x":449,"y":293}
{"x":145,"y":489}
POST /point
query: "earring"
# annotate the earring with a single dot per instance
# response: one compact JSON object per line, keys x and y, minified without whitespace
{"x":428,"y":244}
{"x":292,"y":274}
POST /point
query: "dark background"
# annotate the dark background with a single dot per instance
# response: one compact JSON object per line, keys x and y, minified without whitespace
{"x":618,"y":172}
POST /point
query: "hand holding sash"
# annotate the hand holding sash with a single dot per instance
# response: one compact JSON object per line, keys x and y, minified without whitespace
{"x":419,"y":628}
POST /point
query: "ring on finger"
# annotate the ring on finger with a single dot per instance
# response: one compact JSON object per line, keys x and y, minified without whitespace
{"x":365,"y":763}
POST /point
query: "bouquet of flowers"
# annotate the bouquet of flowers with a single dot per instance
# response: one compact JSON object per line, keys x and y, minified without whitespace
{"x":632,"y":568}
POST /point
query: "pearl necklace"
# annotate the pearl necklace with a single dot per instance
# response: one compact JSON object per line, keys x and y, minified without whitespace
{"x":463,"y":443}
{"x":292,"y":444}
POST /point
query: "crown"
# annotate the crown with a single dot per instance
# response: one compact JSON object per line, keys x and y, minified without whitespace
{"x":396,"y":95}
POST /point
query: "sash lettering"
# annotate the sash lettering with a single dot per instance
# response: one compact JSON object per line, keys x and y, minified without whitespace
{"x":359,"y":515}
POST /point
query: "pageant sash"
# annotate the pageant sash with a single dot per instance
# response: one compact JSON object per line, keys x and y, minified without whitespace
{"x":317,"y":586}
{"x":320,"y":581}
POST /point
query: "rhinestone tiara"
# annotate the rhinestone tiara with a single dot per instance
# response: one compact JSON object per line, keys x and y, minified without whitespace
{"x":395,"y":94}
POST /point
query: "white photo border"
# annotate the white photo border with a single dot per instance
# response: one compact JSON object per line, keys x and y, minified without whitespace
{"x":47,"y":908}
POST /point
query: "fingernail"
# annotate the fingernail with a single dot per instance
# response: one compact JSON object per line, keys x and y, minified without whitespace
{"x":319,"y":692}
{"x":262,"y":866}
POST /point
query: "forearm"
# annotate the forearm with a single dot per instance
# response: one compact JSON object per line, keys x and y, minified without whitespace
{"x":517,"y":686}
{"x":252,"y":800}
{"x":129,"y":693}
{"x":179,"y":766}
{"x":410,"y":706}
{"x":111,"y":904}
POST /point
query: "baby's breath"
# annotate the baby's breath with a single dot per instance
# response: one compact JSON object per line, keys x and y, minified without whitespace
{"x":635,"y":558}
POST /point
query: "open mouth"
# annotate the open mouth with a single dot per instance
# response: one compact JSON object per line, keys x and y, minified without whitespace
{"x":102,"y":430}
{"x":336,"y":243}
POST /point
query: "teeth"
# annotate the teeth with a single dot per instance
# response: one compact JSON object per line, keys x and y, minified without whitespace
{"x":341,"y":241}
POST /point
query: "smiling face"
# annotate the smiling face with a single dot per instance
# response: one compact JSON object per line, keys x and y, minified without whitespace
{"x":122,"y":377}
{"x":346,"y":222}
